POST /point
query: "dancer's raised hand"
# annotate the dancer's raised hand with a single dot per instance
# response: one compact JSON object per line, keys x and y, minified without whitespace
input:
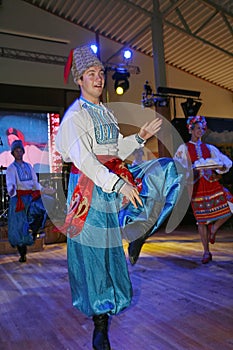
{"x":149,"y":129}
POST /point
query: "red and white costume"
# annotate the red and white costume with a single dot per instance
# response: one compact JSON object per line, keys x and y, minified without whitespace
{"x":210,"y":200}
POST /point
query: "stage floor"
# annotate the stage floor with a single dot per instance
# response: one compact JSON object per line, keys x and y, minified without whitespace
{"x":178,"y":303}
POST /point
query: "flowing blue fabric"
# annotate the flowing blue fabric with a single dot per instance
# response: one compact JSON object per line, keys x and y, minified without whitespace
{"x":32,"y":217}
{"x":161,"y":185}
{"x":96,"y":289}
{"x":97,"y":266}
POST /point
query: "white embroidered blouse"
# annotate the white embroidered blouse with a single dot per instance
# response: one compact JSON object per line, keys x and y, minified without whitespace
{"x":88,"y":130}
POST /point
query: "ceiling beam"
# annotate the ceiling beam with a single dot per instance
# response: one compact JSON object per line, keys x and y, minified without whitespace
{"x":230,"y":54}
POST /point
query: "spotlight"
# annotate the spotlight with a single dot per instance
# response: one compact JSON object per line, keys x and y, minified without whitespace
{"x":190,"y":107}
{"x":121,"y":76}
{"x":94,"y":48}
{"x":127,"y":54}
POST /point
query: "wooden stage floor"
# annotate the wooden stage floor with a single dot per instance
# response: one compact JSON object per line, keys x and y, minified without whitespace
{"x":178,"y":303}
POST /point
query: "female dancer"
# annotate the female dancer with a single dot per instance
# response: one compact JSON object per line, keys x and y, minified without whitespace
{"x":212,"y":204}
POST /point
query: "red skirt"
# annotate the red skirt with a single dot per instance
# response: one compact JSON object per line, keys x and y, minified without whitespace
{"x":210,"y":201}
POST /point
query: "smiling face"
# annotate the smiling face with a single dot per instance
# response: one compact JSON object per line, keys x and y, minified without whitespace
{"x":92,"y":84}
{"x":197,"y":132}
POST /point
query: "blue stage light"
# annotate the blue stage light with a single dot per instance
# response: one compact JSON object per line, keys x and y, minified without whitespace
{"x":94,"y":48}
{"x":127,"y":54}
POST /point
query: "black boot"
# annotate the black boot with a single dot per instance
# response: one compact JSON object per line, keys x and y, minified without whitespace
{"x":100,"y":339}
{"x":22,"y":249}
{"x":135,"y":247}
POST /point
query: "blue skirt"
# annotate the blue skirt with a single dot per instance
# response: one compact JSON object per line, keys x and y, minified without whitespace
{"x":97,"y":266}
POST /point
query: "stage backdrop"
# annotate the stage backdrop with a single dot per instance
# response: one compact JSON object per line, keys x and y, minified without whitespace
{"x":37,"y":130}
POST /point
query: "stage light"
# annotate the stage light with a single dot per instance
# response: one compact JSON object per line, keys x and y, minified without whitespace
{"x":149,"y":99}
{"x":173,"y":91}
{"x":127,"y":54}
{"x":94,"y":48}
{"x":121,"y":76}
{"x":190,"y":107}
{"x":147,"y":89}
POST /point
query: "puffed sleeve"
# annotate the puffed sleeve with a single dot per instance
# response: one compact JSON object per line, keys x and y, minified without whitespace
{"x":11,"y":180}
{"x":221,"y":159}
{"x":181,"y":156}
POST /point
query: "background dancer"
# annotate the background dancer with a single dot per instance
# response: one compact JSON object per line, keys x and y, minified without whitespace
{"x":212,"y":204}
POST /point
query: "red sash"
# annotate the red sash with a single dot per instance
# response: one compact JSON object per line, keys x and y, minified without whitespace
{"x":19,"y":205}
{"x":82,"y":195}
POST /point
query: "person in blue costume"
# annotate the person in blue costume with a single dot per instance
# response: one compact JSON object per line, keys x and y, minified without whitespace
{"x":27,"y":211}
{"x":111,"y":200}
